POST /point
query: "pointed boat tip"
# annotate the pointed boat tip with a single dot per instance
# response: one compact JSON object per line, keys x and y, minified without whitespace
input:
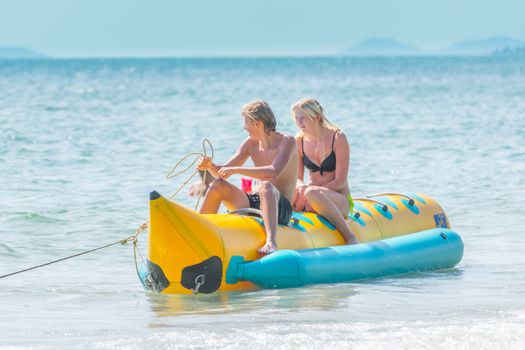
{"x":154,"y":195}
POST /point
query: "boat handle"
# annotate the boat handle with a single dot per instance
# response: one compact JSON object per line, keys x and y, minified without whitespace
{"x":384,"y":207}
{"x":244,"y":211}
{"x":410,"y":199}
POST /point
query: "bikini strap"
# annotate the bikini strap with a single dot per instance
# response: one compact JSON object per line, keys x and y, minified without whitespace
{"x":333,"y":141}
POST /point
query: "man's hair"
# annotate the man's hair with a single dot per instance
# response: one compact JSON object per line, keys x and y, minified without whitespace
{"x":260,"y":111}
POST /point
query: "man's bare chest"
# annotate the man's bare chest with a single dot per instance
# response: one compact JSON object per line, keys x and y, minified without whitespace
{"x":261,"y":157}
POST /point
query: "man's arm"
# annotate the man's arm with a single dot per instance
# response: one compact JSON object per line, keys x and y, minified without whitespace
{"x":239,"y":158}
{"x":267,"y":172}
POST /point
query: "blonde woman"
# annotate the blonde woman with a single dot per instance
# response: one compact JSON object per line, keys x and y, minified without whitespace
{"x":324,"y":150}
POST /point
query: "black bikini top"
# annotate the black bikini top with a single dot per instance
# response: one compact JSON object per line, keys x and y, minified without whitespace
{"x":328,"y":163}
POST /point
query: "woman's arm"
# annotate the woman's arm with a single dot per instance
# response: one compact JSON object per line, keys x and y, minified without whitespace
{"x":300,"y":164}
{"x":342,"y":155}
{"x":299,"y":200}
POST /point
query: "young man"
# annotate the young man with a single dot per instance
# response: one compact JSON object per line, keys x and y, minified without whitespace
{"x":274,"y":155}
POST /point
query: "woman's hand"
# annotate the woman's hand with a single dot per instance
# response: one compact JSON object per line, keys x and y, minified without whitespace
{"x":308,"y":207}
{"x":300,"y":200}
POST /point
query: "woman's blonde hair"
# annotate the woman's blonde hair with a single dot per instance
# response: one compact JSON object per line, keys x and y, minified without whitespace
{"x":260,"y":111}
{"x":313,"y":109}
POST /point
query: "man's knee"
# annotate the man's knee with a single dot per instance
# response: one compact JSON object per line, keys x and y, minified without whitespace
{"x":268,"y":190}
{"x":217,"y":185}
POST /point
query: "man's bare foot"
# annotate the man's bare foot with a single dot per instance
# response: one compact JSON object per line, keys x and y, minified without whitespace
{"x":268,"y":248}
{"x":351,"y":240}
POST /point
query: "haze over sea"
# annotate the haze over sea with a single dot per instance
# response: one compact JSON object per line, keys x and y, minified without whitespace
{"x":82,"y":143}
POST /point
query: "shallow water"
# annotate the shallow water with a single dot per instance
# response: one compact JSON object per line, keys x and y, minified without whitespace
{"x":82,"y":143}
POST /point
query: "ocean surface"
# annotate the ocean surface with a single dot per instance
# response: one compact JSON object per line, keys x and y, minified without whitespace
{"x":83,"y":142}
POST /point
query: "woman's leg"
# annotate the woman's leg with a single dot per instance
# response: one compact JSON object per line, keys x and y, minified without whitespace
{"x":222,"y":191}
{"x":333,"y":206}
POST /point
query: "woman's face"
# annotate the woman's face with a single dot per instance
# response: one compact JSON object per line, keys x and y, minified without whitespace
{"x":305,"y":122}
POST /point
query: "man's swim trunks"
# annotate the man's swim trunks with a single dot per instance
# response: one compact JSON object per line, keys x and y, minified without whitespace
{"x":284,"y":208}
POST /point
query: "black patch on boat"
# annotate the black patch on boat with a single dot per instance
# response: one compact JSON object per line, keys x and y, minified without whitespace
{"x":207,"y":273}
{"x":155,"y":280}
{"x":154,"y":195}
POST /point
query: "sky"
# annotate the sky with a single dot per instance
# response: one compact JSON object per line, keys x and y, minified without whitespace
{"x":117,"y":28}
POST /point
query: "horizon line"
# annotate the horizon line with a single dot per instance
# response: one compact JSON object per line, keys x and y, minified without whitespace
{"x":345,"y":52}
{"x":136,"y":57}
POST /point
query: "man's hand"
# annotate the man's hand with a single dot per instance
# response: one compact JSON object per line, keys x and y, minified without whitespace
{"x":205,"y":164}
{"x":226,"y":172}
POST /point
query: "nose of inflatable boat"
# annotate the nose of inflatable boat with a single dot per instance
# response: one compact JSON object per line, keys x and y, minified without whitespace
{"x":178,"y":259}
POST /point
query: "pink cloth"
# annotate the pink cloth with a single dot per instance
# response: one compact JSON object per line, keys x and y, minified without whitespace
{"x":246,"y":184}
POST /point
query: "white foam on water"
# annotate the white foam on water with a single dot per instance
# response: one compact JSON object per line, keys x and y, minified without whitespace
{"x":506,"y":332}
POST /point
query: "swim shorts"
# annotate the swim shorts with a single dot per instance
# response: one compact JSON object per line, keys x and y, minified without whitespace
{"x":284,"y":207}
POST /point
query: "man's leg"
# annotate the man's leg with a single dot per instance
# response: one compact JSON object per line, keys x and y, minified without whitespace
{"x":222,"y":191}
{"x":269,"y":196}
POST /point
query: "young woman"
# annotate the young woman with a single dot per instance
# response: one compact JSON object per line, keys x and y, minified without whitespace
{"x":324,"y":150}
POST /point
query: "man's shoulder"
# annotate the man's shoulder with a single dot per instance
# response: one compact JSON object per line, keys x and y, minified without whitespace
{"x":249,"y":142}
{"x":287,"y":138}
{"x":247,"y":146}
{"x":287,"y":143}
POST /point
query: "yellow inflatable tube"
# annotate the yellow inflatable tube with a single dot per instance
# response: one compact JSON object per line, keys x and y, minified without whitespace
{"x":189,"y":252}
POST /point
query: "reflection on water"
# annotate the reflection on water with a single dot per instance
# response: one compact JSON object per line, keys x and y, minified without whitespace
{"x":283,"y":300}
{"x":317,"y":297}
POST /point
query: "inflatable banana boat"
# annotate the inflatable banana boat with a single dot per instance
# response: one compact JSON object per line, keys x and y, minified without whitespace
{"x":193,"y":253}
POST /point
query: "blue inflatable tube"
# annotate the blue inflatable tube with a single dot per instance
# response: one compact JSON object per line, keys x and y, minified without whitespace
{"x":426,"y":250}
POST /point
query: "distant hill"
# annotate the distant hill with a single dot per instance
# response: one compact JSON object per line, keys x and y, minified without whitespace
{"x":482,"y":46}
{"x":382,"y":47}
{"x":18,"y":52}
{"x":508,"y":51}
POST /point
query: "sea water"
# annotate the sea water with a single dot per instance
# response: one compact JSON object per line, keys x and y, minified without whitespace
{"x":82,"y":142}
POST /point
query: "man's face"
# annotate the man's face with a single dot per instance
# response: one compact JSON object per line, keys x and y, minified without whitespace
{"x":251,"y":126}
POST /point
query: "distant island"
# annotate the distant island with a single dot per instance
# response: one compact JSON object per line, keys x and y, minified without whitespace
{"x":483,"y":47}
{"x":514,"y":52}
{"x":382,"y":47}
{"x":372,"y":47}
{"x":392,"y":47}
{"x":18,"y":53}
